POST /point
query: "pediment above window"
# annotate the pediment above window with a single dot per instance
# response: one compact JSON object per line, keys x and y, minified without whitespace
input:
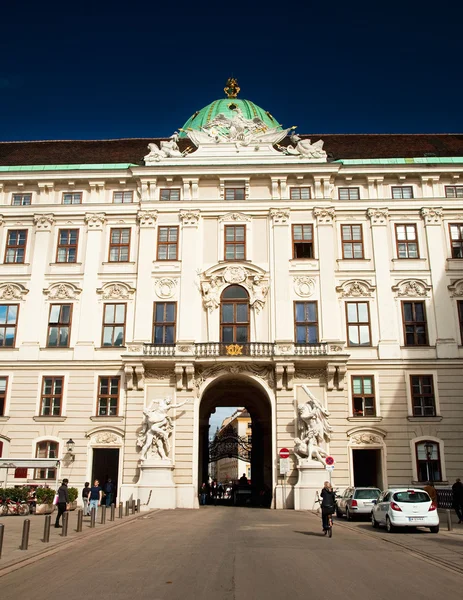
{"x":12,"y":291}
{"x":355,"y":288}
{"x":116,"y":290}
{"x":456,"y":289}
{"x":62,"y":291}
{"x":366,"y":436}
{"x":411,"y":288}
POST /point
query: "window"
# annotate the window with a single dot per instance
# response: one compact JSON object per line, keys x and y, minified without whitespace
{"x":402,"y":192}
{"x":67,"y":245}
{"x":108,"y":396}
{"x":299,"y":193}
{"x":165,"y":316}
{"x":21,"y":199}
{"x":3,"y":389}
{"x":52,"y":397}
{"x":16,"y":246}
{"x":456,"y":239}
{"x":460,"y":318}
{"x":235,"y":242}
{"x":167,"y":243}
{"x":306,"y":322}
{"x":363,"y":396}
{"x":234,"y":315}
{"x":125,"y":197}
{"x":454,"y":191}
{"x":235,"y":190}
{"x":349,"y":193}
{"x":72,"y":198}
{"x":352,"y":241}
{"x":59,"y":326}
{"x":114,"y":325}
{"x":171,"y":194}
{"x":428,"y":461}
{"x":414,"y":319}
{"x":119,"y":246}
{"x":8,"y":323}
{"x":358,"y":323}
{"x":302,"y":241}
{"x":423,"y":399}
{"x":46,"y":449}
{"x":407,"y":241}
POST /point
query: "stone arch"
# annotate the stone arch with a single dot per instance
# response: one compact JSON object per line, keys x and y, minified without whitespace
{"x":371,"y":440}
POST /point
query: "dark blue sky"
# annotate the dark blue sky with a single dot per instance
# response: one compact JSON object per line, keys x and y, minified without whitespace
{"x":106,"y":70}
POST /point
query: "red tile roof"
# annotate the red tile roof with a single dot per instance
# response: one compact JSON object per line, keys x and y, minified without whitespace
{"x":337,"y":146}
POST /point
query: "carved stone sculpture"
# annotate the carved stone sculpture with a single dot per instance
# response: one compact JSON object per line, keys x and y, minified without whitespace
{"x":314,"y":429}
{"x":168,"y":149}
{"x":304,"y":148}
{"x":259,"y":293}
{"x":210,"y":291}
{"x":156,"y":428}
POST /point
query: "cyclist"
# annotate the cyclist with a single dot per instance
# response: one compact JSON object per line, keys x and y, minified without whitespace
{"x":328,"y":505}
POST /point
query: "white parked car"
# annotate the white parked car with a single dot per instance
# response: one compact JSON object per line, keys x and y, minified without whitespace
{"x":405,"y":507}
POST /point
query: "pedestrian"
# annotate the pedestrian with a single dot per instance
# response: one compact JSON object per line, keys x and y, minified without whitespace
{"x":328,"y":504}
{"x":214,"y":492}
{"x":63,"y":501}
{"x":85,"y":494}
{"x":96,"y":494}
{"x":431,"y":490}
{"x":457,"y":499}
{"x":204,"y":493}
{"x":109,"y":492}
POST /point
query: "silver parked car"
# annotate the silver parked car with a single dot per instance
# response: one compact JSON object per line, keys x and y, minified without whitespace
{"x":357,"y":501}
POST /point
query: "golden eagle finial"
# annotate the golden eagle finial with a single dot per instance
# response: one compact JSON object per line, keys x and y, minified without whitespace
{"x":232,"y":89}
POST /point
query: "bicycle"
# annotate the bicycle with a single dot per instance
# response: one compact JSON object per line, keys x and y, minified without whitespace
{"x":328,"y":531}
{"x":10,"y":507}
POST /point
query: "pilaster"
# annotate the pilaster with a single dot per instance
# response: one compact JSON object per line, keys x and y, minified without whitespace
{"x":280,"y":255}
{"x":189,"y":305}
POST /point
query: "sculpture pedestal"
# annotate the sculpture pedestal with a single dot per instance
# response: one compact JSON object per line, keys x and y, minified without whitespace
{"x":155,"y":487}
{"x":312,"y":475}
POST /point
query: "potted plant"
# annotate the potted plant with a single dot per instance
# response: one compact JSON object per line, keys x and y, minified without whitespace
{"x":73,"y":493}
{"x":45,"y":497}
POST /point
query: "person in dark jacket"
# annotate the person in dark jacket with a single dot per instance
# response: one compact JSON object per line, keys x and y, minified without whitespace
{"x":457,"y":493}
{"x":63,"y":500}
{"x":109,"y":492}
{"x":85,"y":495}
{"x":328,"y":504}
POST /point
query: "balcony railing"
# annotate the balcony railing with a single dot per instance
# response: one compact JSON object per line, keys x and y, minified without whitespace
{"x":252,"y":349}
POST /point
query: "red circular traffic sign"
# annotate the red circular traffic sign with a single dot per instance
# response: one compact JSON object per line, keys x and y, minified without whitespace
{"x":284,"y":453}
{"x":329,"y":460}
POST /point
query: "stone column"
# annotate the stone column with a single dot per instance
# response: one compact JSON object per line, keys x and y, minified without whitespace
{"x":144,"y":296}
{"x":89,"y":322}
{"x":38,"y":250}
{"x":189,"y":306}
{"x":446,"y":344}
{"x":329,"y":305}
{"x":388,"y":344}
{"x":281,"y":309}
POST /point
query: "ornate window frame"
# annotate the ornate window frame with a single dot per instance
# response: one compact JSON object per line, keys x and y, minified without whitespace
{"x":423,"y":438}
{"x":234,"y":218}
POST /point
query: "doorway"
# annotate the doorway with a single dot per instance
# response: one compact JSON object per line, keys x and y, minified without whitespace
{"x":367,"y":467}
{"x":105,"y":465}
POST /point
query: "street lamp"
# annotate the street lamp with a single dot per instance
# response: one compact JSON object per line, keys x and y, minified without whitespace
{"x":70,"y":446}
{"x":429,"y":447}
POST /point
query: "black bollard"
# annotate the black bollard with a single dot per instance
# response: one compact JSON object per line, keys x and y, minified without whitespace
{"x":92,"y":517}
{"x":133,"y":506}
{"x":112,"y":514}
{"x":138,"y":506}
{"x":2,"y":531}
{"x":127,"y":508}
{"x":121,"y":510}
{"x":103,"y":515}
{"x":64,"y":532}
{"x":25,"y":536}
{"x":46,"y":528}
{"x":449,"y":520}
{"x":80,"y":518}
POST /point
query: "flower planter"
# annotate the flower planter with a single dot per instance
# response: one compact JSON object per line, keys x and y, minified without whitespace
{"x":44,"y":509}
{"x":73,"y":505}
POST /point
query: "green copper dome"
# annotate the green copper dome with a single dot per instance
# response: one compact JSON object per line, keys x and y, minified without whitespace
{"x":228,"y":106}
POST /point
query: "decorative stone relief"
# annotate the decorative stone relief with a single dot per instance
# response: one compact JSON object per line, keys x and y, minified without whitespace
{"x":159,"y":374}
{"x":362,"y":439}
{"x":95,"y":220}
{"x":304,"y":374}
{"x":304,"y":286}
{"x":304,"y":148}
{"x":108,"y":438}
{"x":412,"y":288}
{"x":135,"y":348}
{"x":166,"y":149}
{"x":355,"y":289}
{"x":279,"y":216}
{"x":432,"y":216}
{"x":324,"y":216}
{"x":165,"y":287}
{"x":116,"y":291}
{"x":234,"y":274}
{"x":263,"y":372}
{"x":12,"y":291}
{"x":189,"y":217}
{"x":147,"y":218}
{"x":234,"y":217}
{"x":62,"y":291}
{"x":456,"y":289}
{"x":44,"y":222}
{"x":378,"y":216}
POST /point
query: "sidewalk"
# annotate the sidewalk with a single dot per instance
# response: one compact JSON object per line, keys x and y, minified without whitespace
{"x":13,"y":527}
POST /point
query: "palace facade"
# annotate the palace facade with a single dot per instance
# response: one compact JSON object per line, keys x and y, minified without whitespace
{"x":230,"y":265}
